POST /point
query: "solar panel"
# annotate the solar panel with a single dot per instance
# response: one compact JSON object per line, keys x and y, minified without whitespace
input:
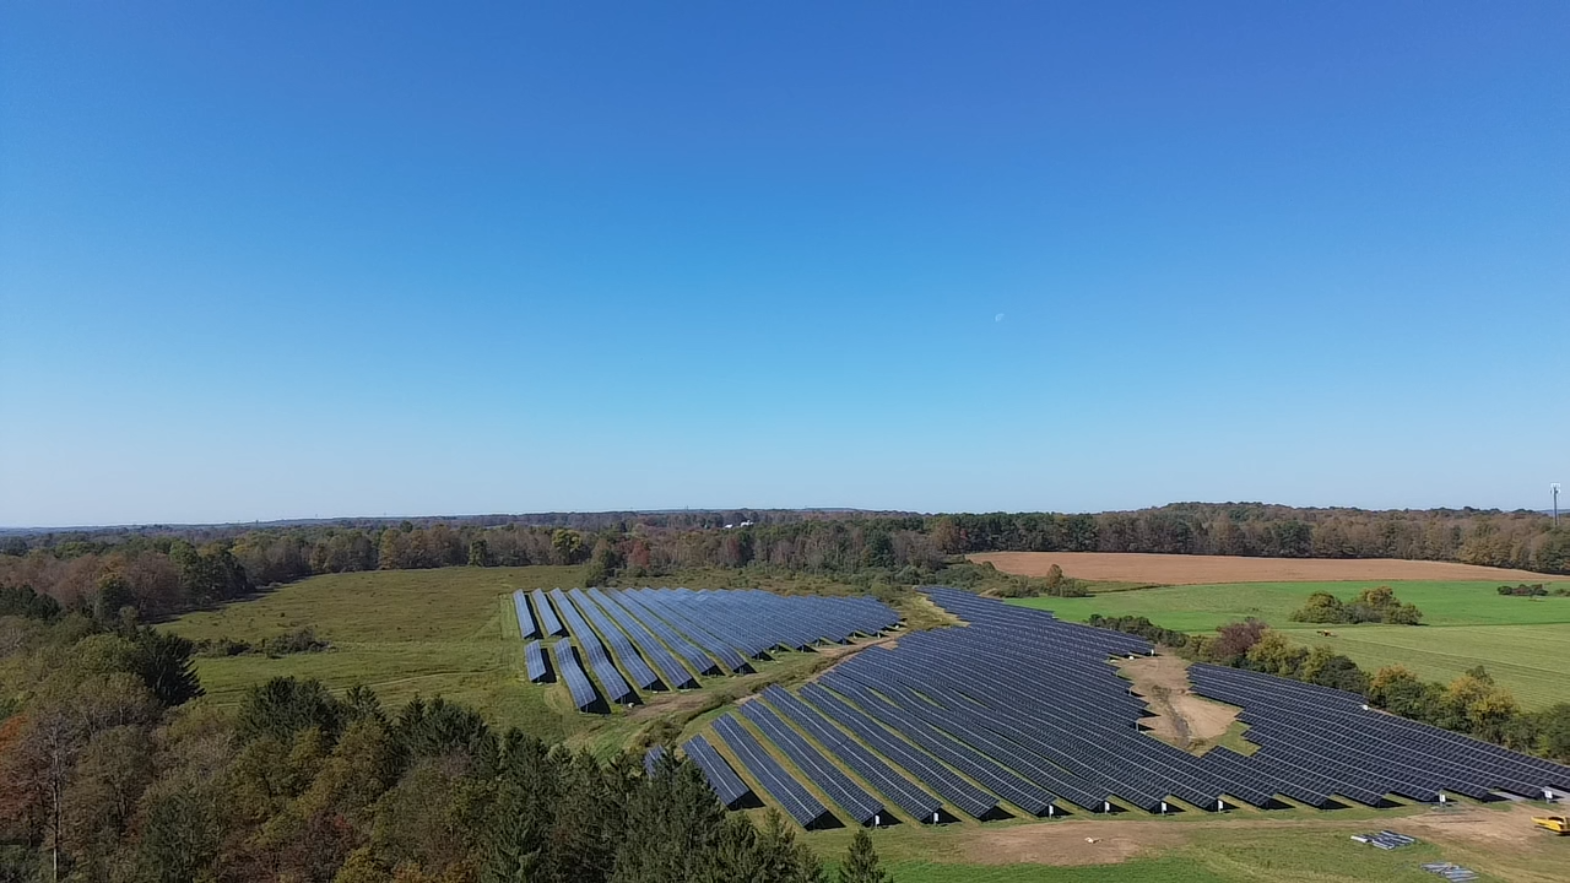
{"x":520,"y":605}
{"x":817,"y":769}
{"x":549,"y":624}
{"x":726,"y":784}
{"x":583,"y":694}
{"x":797,"y":801}
{"x":534,"y":660}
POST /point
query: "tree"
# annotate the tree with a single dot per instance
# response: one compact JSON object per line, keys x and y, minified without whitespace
{"x":1397,"y":690}
{"x":567,"y":546}
{"x":1554,"y":732}
{"x":1274,"y":654}
{"x":1054,"y":577}
{"x":479,"y":554}
{"x":1235,"y":639}
{"x":163,"y":661}
{"x":1321,"y":607}
{"x":114,"y":592}
{"x":861,"y":862}
{"x":282,"y":707}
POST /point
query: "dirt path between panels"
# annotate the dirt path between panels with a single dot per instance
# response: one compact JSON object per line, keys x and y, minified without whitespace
{"x":1178,"y":570}
{"x":1182,"y":719}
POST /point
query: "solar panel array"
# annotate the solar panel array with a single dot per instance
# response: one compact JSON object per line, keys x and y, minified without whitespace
{"x":852,"y":798}
{"x":616,"y":688}
{"x":670,"y":671}
{"x":583,"y":695}
{"x":659,"y":639}
{"x":549,"y":624}
{"x":534,"y":660}
{"x":1304,"y":728}
{"x":780,"y":785}
{"x":520,"y":605}
{"x":652,"y":757}
{"x":726,"y":784}
{"x":642,"y":676}
{"x":1019,"y":712}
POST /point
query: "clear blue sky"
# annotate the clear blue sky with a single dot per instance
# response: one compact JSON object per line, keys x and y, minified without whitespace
{"x":263,"y":260}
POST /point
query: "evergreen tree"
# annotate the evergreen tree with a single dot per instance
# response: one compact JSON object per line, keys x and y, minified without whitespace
{"x":163,"y":661}
{"x":861,"y":862}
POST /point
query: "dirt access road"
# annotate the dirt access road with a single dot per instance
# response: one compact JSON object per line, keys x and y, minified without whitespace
{"x":1466,"y":834}
{"x":1183,"y":570}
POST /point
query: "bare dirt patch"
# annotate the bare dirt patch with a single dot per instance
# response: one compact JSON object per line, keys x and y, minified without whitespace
{"x":1479,"y":827}
{"x":1183,"y":719}
{"x":1070,"y":843}
{"x":1180,"y":570}
{"x":1468,"y":831}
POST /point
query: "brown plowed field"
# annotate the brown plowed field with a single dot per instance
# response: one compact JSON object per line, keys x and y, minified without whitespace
{"x":1182,"y":570}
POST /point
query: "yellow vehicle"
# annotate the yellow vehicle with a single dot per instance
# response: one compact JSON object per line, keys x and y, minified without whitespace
{"x":1556,"y":824}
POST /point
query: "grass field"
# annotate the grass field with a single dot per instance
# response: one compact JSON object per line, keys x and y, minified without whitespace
{"x":1247,"y":847}
{"x":1524,"y":642}
{"x":449,"y":632}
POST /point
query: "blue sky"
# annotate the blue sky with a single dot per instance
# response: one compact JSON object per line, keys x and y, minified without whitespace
{"x":263,"y":260}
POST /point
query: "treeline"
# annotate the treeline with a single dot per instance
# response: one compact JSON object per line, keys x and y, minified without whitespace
{"x":1472,"y":704}
{"x":161,"y":570}
{"x":107,"y":775}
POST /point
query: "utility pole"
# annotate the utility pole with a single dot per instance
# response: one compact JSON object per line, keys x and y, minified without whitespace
{"x":1555,"y":488}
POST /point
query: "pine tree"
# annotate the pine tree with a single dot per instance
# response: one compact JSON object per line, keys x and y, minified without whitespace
{"x":861,"y":862}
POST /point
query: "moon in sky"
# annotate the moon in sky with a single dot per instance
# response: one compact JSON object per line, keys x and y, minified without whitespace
{"x":998,"y":318}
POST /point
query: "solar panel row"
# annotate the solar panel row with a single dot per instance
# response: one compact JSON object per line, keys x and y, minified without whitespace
{"x":583,"y":695}
{"x":651,"y":758}
{"x":549,"y":624}
{"x":520,"y":605}
{"x":726,"y":784}
{"x":863,"y":762}
{"x":534,"y":661}
{"x":616,"y":687}
{"x":638,"y":670}
{"x":671,"y":672}
{"x":818,"y":770}
{"x":694,"y":656}
{"x":798,"y":802}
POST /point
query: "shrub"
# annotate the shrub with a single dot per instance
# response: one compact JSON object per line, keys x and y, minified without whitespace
{"x":1372,"y":605}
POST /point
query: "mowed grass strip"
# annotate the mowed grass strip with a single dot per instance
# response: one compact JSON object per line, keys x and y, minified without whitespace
{"x":1532,"y":661}
{"x":1523,"y":642}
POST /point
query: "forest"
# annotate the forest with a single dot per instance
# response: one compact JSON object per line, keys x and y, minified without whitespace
{"x":109,"y":773}
{"x":163,"y":570}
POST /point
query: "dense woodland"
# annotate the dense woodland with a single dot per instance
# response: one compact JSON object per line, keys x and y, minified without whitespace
{"x":164,"y":570}
{"x":107,"y":773}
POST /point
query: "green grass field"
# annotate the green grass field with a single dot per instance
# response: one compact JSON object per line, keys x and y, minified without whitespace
{"x":449,"y":632}
{"x":1524,"y":642}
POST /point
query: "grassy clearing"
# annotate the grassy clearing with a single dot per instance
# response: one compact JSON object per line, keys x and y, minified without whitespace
{"x":452,"y":632}
{"x":1522,"y":641}
{"x":447,"y":632}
